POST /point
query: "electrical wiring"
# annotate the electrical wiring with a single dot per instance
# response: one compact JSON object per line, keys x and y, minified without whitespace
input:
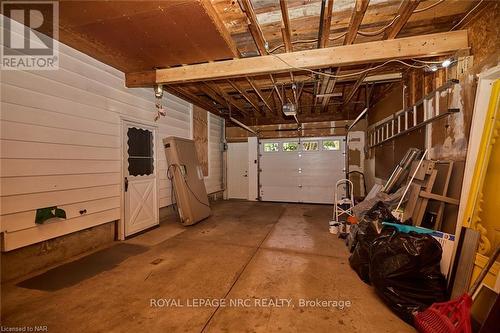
{"x":350,"y":74}
{"x":379,"y":31}
{"x":337,"y":37}
{"x":360,"y":32}
{"x":300,"y":41}
{"x":434,"y":63}
{"x":315,"y":40}
{"x":467,"y":15}
{"x":428,"y":7}
{"x":427,"y":61}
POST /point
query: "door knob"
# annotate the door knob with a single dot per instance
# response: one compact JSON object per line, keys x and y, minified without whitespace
{"x":126,"y":184}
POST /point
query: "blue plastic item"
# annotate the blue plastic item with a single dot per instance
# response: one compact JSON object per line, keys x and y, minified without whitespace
{"x":408,"y":228}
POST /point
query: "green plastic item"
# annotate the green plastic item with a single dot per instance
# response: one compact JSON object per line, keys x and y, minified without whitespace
{"x":44,"y":214}
{"x":408,"y":228}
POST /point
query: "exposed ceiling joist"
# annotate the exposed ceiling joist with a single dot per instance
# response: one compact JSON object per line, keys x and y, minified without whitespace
{"x":404,"y":13}
{"x":378,"y":51}
{"x":328,"y":85}
{"x":325,"y":23}
{"x":193,"y":98}
{"x":246,"y":96}
{"x":254,"y":27}
{"x":357,"y":16}
{"x":227,"y":98}
{"x":265,"y":83}
{"x":285,"y":29}
{"x":275,"y":87}
{"x":213,"y":95}
{"x":383,"y":77}
{"x":355,"y":87}
{"x":259,"y":94}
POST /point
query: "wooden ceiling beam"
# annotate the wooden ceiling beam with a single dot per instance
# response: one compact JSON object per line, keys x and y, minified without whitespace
{"x":182,"y":93}
{"x":259,"y":94}
{"x":267,"y":84}
{"x":357,"y":16}
{"x":403,"y":48}
{"x":227,"y":98}
{"x":356,"y":86}
{"x":325,"y":23}
{"x":404,"y":13}
{"x":285,"y":28}
{"x":213,"y":95}
{"x":254,"y":27}
{"x":246,"y":96}
{"x":275,"y":87}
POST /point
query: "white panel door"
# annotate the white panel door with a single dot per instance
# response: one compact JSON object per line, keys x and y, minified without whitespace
{"x":279,"y":177}
{"x":140,"y":191}
{"x":237,"y":170}
{"x":301,"y":170}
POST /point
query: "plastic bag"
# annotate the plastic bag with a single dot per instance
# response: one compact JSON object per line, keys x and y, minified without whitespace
{"x":359,"y":260}
{"x":363,"y":235}
{"x":404,"y":269}
{"x":381,"y":213}
{"x":390,"y":200}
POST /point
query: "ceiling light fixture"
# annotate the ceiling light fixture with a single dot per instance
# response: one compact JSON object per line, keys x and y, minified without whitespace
{"x":158,"y":90}
{"x":446,"y":63}
{"x":160,"y":111}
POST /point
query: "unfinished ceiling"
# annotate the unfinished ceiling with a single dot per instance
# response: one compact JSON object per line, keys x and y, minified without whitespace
{"x":138,"y":35}
{"x":149,"y":35}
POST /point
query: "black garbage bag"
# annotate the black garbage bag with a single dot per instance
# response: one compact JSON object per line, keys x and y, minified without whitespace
{"x":380,"y":212}
{"x":351,"y":238}
{"x":359,"y":260}
{"x":363,"y":235}
{"x":404,"y":269}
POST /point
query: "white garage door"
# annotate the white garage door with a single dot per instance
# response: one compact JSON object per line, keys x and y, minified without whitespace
{"x":301,"y":170}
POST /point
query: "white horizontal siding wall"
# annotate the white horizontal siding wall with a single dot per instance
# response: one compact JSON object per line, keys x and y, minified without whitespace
{"x":61,"y":145}
{"x":213,"y":182}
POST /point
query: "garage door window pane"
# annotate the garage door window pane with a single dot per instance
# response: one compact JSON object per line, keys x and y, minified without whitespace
{"x":140,"y":152}
{"x":310,"y":145}
{"x":270,"y":147}
{"x":290,"y":146}
{"x":331,"y":145}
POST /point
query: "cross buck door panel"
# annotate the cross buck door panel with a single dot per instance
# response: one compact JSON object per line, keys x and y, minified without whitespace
{"x":140,"y":186}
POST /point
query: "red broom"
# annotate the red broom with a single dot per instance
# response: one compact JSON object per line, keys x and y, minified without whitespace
{"x":452,"y":316}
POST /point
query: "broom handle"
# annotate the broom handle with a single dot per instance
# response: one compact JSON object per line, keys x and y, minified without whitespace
{"x":485,"y":271}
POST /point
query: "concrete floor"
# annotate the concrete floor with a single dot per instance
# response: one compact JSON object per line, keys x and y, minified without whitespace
{"x":256,"y":252}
